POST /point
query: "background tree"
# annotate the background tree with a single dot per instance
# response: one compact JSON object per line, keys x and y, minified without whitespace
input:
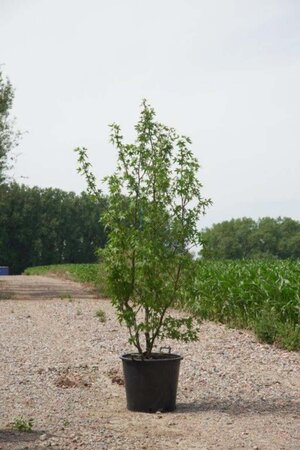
{"x":48,"y":226}
{"x":245,"y":238}
{"x":8,"y":137}
{"x":228,"y":240}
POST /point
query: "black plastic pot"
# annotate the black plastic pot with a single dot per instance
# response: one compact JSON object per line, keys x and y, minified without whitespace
{"x":151,"y":384}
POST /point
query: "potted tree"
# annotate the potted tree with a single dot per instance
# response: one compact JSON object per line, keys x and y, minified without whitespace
{"x":154,"y":205}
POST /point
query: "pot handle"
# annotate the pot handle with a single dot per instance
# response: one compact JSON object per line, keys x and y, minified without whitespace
{"x":165,"y":348}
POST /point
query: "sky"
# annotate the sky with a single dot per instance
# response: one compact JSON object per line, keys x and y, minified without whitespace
{"x":223,"y":72}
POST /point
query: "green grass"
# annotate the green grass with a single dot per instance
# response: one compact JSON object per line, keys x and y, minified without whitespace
{"x":260,"y":295}
{"x":84,"y":273}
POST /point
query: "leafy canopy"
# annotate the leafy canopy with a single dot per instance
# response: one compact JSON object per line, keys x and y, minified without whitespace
{"x":8,"y":137}
{"x":266,"y":238}
{"x":154,"y":205}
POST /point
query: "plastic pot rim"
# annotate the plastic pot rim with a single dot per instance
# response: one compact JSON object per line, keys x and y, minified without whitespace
{"x":159,"y":357}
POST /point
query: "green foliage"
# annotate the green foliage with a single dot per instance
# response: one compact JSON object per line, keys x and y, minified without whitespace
{"x":266,"y":328}
{"x":154,"y":204}
{"x":22,"y":424}
{"x":244,"y":238}
{"x":257,"y":294}
{"x":84,"y":168}
{"x":48,"y":226}
{"x":101,"y":315}
{"x":86,"y":273}
{"x":270,"y":329}
{"x":8,"y":137}
{"x":288,"y":336}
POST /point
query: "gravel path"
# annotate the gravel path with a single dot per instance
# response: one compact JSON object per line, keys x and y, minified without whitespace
{"x":59,"y":366}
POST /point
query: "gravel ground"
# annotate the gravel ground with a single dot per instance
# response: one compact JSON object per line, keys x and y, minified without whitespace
{"x":60,"y":366}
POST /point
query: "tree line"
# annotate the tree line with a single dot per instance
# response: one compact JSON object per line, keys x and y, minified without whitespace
{"x":48,"y":226}
{"x":247,"y":238}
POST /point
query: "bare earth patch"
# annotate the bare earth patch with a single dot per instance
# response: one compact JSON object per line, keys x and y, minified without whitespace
{"x":60,"y":366}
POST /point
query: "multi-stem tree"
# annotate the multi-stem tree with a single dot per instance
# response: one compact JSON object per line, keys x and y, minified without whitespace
{"x":154,"y":205}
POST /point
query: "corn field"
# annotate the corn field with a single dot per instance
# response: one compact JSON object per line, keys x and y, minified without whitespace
{"x":261,"y":295}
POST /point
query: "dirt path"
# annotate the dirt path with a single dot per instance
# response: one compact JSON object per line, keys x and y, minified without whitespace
{"x":59,"y":366}
{"x":40,"y":287}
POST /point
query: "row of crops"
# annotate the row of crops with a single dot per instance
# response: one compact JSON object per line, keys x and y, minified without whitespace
{"x":260,"y":295}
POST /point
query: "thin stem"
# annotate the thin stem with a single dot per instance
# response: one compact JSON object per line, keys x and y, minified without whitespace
{"x":147,"y":334}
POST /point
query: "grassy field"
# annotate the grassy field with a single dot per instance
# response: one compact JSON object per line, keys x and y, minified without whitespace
{"x":263,"y":296}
